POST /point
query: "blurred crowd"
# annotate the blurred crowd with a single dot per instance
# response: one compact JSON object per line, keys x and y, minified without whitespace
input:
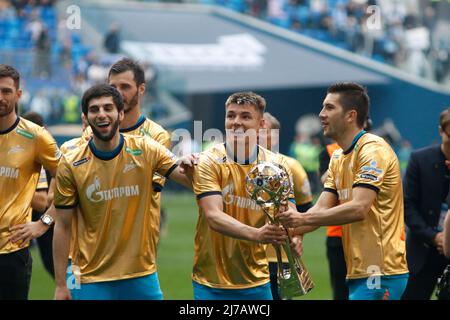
{"x":409,"y":34}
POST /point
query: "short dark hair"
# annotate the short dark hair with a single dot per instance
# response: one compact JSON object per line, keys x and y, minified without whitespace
{"x":34,"y":117}
{"x":7,"y":71}
{"x":250,"y":98}
{"x":127,"y":64}
{"x":101,"y":90}
{"x":353,"y":97}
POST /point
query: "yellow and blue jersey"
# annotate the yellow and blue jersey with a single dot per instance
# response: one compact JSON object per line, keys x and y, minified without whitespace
{"x":116,"y":230}
{"x":26,"y":147}
{"x":220,"y":261}
{"x":374,"y":246}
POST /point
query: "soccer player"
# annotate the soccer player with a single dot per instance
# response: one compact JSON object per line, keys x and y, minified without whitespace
{"x":230,"y":256}
{"x":128,"y":77}
{"x":269,"y":137}
{"x":26,"y":147}
{"x":108,"y":178}
{"x":363,"y":192}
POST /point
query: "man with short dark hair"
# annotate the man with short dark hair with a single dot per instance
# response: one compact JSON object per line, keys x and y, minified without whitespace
{"x":426,"y":193}
{"x":26,"y":147}
{"x":363,"y":192}
{"x":108,"y":178}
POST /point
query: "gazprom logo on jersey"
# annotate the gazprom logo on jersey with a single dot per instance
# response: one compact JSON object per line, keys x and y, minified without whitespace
{"x":241,"y":202}
{"x":95,"y":194}
{"x":7,"y":172}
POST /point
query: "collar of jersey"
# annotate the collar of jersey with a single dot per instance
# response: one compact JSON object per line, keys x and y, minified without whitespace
{"x":139,"y":123}
{"x":355,"y":140}
{"x":102,"y":155}
{"x":12,"y":127}
{"x":250,"y":159}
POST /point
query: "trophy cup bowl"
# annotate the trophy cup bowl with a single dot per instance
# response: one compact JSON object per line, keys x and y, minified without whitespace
{"x":269,"y":185}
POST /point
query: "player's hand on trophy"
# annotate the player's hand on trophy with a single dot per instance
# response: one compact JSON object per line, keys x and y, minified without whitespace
{"x":290,"y":218}
{"x":24,"y":233}
{"x":270,"y":233}
{"x":297,"y":245}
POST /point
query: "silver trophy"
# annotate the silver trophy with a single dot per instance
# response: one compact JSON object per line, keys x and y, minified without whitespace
{"x":269,"y":185}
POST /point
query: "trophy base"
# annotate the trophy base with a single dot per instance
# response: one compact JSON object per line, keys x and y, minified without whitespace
{"x":294,"y":285}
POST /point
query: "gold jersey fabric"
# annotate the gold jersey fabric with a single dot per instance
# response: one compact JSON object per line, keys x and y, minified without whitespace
{"x":221,"y":261}
{"x":302,"y":194}
{"x":26,"y":148}
{"x":374,"y":246}
{"x":148,"y":128}
{"x":42,"y":181}
{"x":116,"y":234}
{"x":66,"y":147}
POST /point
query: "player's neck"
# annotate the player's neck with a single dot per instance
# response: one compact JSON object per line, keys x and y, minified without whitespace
{"x":8,"y":121}
{"x":107,"y":146}
{"x":131,"y":118}
{"x":242,"y":152}
{"x":346,"y":139}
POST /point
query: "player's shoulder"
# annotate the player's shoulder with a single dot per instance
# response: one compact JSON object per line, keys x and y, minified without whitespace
{"x":144,"y":145}
{"x":72,"y":144}
{"x":154,"y":129}
{"x":370,"y":143}
{"x":29,"y":129}
{"x":268,"y":155}
{"x":214,"y":154}
{"x":143,"y":142}
{"x":76,"y":156}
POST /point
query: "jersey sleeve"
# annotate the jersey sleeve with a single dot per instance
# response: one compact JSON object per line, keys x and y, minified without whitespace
{"x":302,"y":188}
{"x":330,"y":183}
{"x":162,"y":159}
{"x":42,"y":182}
{"x":158,"y":180}
{"x":206,"y":178}
{"x":371,"y":167}
{"x":66,"y":195}
{"x":47,"y":152}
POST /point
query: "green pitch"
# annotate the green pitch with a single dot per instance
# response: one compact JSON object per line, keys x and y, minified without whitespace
{"x":176,"y":252}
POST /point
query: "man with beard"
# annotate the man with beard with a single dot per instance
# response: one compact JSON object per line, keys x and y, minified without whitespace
{"x":25,"y":148}
{"x":108,"y":179}
{"x":128,"y":77}
{"x":363,"y":192}
{"x":230,"y":256}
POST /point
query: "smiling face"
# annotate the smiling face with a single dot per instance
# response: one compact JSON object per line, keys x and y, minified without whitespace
{"x":242,"y":122}
{"x":104,"y":117}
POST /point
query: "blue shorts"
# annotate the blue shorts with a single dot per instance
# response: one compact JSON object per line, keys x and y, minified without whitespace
{"x":140,"y":288}
{"x":202,"y":292}
{"x":382,"y":288}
